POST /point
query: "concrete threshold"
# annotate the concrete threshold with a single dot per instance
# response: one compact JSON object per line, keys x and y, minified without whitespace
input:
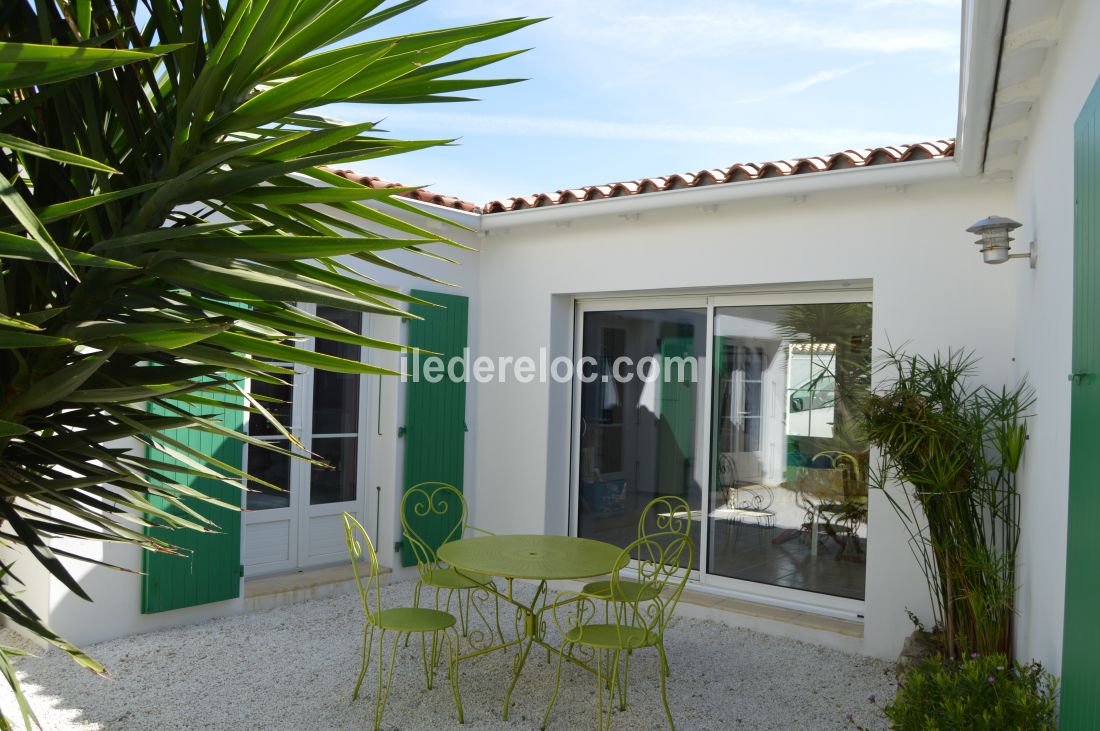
{"x":268,"y":592}
{"x":840,"y":634}
{"x":817,"y":629}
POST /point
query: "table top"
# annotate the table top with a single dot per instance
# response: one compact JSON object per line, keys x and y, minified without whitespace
{"x":531,"y":556}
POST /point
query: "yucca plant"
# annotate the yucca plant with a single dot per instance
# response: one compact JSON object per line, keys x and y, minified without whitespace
{"x":165,"y":209}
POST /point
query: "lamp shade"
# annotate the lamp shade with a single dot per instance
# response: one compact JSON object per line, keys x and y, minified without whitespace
{"x":993,"y":237}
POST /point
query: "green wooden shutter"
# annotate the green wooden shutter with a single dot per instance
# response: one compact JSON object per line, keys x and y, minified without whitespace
{"x":1081,"y":634}
{"x":435,"y":416}
{"x":210,"y":569}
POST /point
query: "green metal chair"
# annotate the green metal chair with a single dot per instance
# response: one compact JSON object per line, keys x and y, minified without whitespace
{"x":637,"y":621}
{"x":403,"y":622}
{"x":669,"y":515}
{"x":439,"y":510}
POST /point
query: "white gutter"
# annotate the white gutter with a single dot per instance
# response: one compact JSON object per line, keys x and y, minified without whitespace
{"x":885,"y":174}
{"x":983,"y":23}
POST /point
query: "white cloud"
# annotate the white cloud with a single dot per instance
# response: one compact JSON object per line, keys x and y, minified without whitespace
{"x":633,"y":27}
{"x":458,"y":123}
{"x":800,"y":85}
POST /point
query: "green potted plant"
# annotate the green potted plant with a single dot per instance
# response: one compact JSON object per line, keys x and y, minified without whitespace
{"x":957,"y":447}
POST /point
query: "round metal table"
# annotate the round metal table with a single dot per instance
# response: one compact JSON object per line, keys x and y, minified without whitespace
{"x":532,"y":557}
{"x":540,"y":558}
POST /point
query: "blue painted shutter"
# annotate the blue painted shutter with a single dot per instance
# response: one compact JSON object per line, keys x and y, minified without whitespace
{"x":435,"y":413}
{"x":210,"y":569}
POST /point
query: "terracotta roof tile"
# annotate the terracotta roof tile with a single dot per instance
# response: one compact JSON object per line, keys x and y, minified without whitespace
{"x":421,"y":194}
{"x":936,"y":149}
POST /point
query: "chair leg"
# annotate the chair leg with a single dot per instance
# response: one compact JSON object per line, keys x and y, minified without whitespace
{"x":557,"y":685}
{"x":469,"y":595}
{"x":664,"y":692}
{"x":496,"y":600}
{"x":452,"y":654}
{"x":426,"y":662}
{"x":664,"y":658}
{"x":368,"y":644}
{"x":606,"y":660}
{"x":384,"y":692}
{"x":416,"y":604}
{"x":624,"y":680}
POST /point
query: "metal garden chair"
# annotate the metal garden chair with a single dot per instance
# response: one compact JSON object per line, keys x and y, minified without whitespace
{"x":667,"y":514}
{"x":404,"y":621}
{"x":636,"y":621}
{"x":440,"y":509}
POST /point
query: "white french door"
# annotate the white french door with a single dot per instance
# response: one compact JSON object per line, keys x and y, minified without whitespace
{"x":300,"y":526}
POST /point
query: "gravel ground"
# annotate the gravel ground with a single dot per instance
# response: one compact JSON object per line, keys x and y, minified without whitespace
{"x":294,"y":668}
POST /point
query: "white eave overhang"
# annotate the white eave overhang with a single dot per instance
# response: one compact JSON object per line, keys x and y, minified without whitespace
{"x":983,"y":23}
{"x":792,"y":186}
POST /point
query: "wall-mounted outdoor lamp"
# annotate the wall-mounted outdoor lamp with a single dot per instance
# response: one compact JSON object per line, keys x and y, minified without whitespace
{"x":993,"y":237}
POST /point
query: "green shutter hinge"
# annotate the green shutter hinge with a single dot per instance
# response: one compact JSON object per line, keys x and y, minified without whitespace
{"x":402,"y":430}
{"x":241,"y":570}
{"x":398,"y":546}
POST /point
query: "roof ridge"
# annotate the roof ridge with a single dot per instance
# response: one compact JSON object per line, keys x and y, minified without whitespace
{"x":736,"y":173}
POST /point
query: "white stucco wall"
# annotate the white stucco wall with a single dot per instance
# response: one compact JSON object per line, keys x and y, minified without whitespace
{"x":1045,"y":202}
{"x":931,"y":292}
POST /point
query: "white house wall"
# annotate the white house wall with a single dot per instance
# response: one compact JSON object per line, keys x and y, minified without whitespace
{"x":1045,"y":203}
{"x":931,"y":292}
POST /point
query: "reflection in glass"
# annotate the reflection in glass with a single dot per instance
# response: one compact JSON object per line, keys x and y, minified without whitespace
{"x":335,"y":484}
{"x":270,"y":467}
{"x":277,"y":400}
{"x":638,"y":433}
{"x":789,"y":464}
{"x":336,"y":395}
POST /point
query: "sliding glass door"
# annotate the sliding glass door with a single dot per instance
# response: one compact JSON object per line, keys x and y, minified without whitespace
{"x":746,"y":407}
{"x":640,"y":404}
{"x":788,"y":462}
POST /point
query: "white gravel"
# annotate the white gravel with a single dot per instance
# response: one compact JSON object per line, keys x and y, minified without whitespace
{"x":294,"y":668}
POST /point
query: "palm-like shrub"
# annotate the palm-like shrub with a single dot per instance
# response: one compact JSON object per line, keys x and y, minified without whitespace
{"x":164,"y":208}
{"x":957,"y":446}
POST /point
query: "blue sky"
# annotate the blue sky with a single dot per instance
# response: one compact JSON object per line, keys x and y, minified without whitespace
{"x":623,"y":89}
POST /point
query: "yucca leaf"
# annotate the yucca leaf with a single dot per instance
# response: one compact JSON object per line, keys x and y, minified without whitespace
{"x":38,"y":548}
{"x":275,"y":195}
{"x":31,"y":64}
{"x":51,"y":153}
{"x":162,"y":335}
{"x":283,"y":248}
{"x":54,"y":386}
{"x":33,"y":226}
{"x":20,"y":324}
{"x":278,"y":351}
{"x":58,"y":211}
{"x":11,"y":429}
{"x":9,"y":340}
{"x":20,"y":247}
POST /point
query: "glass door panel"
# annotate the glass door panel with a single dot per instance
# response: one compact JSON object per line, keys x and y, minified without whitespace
{"x":336,"y":417}
{"x":788,"y":461}
{"x":641,"y":397}
{"x":262,"y":463}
